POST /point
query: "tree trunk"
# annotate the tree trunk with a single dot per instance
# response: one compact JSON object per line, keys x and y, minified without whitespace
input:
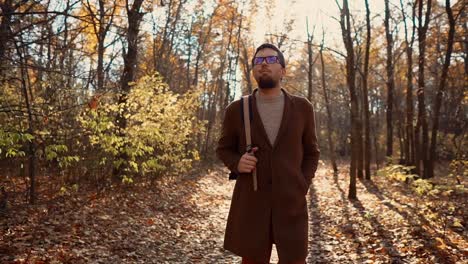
{"x":410,"y":137}
{"x":390,"y":80}
{"x":310,"y":64}
{"x":167,"y":72}
{"x":101,"y":33}
{"x":422,"y":135}
{"x":345,"y":23}
{"x":128,"y":76}
{"x":7,"y":8}
{"x":401,"y":136}
{"x":201,"y":47}
{"x":230,"y":69}
{"x":101,"y":49}
{"x":211,"y":119}
{"x":376,"y":150}
{"x":247,"y":68}
{"x":219,"y":88}
{"x":331,"y":146}
{"x":359,"y":139}
{"x":31,"y":145}
{"x":442,"y":84}
{"x":160,"y":55}
{"x":237,"y":52}
{"x":365,"y":103}
{"x":189,"y":57}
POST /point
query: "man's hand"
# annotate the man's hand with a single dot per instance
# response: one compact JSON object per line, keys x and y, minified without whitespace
{"x":247,"y":162}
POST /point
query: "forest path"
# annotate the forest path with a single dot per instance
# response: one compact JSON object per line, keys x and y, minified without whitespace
{"x":183,"y":221}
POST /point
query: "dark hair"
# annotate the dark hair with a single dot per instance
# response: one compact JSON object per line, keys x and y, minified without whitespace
{"x":273,"y":47}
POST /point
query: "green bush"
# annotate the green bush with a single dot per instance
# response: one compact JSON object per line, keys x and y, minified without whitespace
{"x":11,"y":143}
{"x":398,"y":172}
{"x":160,"y":127}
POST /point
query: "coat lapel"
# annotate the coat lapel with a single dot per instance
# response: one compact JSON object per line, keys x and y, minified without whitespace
{"x":258,"y":124}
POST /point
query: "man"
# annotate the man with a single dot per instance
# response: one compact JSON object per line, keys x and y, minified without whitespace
{"x":285,"y":157}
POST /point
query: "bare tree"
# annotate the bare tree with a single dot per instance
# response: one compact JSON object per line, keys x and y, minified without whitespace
{"x":390,"y":80}
{"x":409,"y":146}
{"x":421,"y":133}
{"x":101,"y":21}
{"x":189,"y":56}
{"x":441,"y":87}
{"x":203,"y":38}
{"x":365,"y":101}
{"x":233,"y":63}
{"x":345,"y":22}
{"x":331,"y":146}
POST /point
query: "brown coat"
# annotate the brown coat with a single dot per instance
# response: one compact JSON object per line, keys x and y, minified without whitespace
{"x":284,"y":173}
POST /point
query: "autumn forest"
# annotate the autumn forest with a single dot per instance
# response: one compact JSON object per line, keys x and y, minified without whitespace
{"x":110,"y":114}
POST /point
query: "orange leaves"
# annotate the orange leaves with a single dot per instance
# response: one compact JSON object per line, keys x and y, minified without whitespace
{"x":150,"y":221}
{"x":440,"y":243}
{"x":94,"y":102}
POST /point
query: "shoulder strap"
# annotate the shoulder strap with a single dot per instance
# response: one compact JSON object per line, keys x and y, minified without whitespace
{"x":246,"y":102}
{"x":246,"y":110}
{"x":250,"y":108}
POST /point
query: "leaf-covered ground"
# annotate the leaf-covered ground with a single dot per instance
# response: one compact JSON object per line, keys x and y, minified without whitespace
{"x":183,"y":221}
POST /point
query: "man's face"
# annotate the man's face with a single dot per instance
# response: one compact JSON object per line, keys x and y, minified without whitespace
{"x":268,"y":75}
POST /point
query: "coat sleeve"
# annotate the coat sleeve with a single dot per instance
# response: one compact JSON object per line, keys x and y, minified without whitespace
{"x":227,"y":149}
{"x":310,"y":145}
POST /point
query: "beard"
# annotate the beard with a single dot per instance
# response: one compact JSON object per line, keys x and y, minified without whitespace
{"x":266,"y":82}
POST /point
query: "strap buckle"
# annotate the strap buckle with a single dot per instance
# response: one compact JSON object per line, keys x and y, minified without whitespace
{"x":249,"y":148}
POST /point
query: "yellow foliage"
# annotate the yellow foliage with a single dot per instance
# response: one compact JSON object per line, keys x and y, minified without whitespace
{"x":160,"y":127}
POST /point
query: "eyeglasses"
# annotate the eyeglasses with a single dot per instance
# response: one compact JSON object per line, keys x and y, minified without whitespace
{"x":268,"y":59}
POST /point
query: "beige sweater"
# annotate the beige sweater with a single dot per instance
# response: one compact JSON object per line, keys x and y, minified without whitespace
{"x":271,"y":113}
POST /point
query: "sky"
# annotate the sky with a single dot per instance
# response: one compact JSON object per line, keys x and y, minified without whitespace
{"x":320,"y":13}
